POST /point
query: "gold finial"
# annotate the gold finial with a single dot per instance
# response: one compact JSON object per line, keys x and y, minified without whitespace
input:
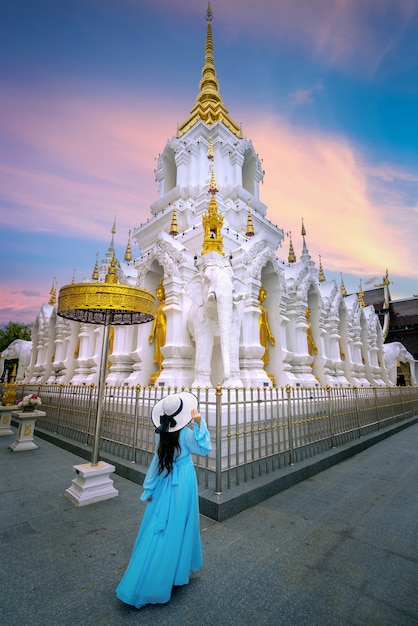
{"x":361,"y":295}
{"x":343,"y":290}
{"x":210,"y":153}
{"x":174,"y":227}
{"x":128,"y":252}
{"x":209,"y":106}
{"x":73,"y":278}
{"x":321,"y":276}
{"x":114,"y":226}
{"x":303,"y":230}
{"x":249,"y":231}
{"x":292,"y":256}
{"x":111,"y":277}
{"x":95,"y":275}
{"x":53,"y":293}
{"x":212,"y":221}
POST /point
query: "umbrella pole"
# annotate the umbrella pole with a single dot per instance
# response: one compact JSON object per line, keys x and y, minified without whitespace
{"x":100,"y":390}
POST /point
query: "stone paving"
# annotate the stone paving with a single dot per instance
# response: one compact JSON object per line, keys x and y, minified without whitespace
{"x":340,"y":548}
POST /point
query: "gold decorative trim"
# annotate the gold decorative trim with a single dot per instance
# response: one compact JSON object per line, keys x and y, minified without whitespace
{"x":92,"y":302}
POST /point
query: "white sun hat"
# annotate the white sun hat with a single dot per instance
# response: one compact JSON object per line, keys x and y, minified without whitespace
{"x":173,"y":412}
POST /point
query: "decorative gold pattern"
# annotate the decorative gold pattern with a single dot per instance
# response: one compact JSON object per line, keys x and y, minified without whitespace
{"x":89,"y":302}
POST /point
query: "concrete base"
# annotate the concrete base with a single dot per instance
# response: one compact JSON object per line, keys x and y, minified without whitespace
{"x":26,"y":429}
{"x":92,"y":484}
{"x":5,"y":420}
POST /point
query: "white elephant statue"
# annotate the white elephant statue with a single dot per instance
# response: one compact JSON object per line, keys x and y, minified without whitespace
{"x":18,"y":349}
{"x":396,"y":352}
{"x":215,"y":313}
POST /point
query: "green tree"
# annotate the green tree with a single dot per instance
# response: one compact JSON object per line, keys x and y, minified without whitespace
{"x":12,"y":331}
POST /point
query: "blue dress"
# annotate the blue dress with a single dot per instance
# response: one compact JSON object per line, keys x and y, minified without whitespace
{"x":167,"y":547}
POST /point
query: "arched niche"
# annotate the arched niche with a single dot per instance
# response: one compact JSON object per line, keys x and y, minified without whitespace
{"x":249,"y":171}
{"x":169,"y":168}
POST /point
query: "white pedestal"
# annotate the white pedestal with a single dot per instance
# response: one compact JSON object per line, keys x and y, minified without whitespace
{"x":5,"y":420}
{"x":92,"y":484}
{"x":24,"y":439}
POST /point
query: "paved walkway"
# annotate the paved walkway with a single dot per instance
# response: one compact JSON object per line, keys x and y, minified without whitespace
{"x":340,"y":548}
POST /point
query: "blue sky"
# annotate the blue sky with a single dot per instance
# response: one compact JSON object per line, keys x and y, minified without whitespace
{"x":91,"y":90}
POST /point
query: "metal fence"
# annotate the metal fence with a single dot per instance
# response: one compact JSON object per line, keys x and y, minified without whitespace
{"x":254,"y":431}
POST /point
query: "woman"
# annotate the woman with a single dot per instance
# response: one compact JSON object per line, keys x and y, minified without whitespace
{"x":168,"y":545}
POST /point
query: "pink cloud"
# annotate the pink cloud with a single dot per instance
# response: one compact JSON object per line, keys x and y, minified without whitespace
{"x":80,"y":162}
{"x":305,"y":96}
{"x":323,"y":179}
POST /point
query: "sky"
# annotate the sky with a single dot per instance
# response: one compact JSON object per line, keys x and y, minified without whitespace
{"x":91,"y":90}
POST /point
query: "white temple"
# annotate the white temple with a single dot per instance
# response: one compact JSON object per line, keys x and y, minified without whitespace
{"x":230,"y":310}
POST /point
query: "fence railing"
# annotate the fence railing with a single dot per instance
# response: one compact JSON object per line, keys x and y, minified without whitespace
{"x":254,"y":431}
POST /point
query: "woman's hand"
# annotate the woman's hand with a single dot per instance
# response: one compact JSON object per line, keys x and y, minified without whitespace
{"x":196,"y":416}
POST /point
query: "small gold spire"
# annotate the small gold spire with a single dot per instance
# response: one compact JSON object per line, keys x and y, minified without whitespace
{"x":212,"y":221}
{"x":114,"y":226}
{"x":95,"y":275}
{"x":111,"y":277}
{"x":292,"y":256}
{"x":53,"y":293}
{"x":128,"y":252}
{"x":73,"y":278}
{"x":209,"y":106}
{"x":303,"y":230}
{"x":321,"y":276}
{"x":343,"y":290}
{"x":174,"y":227}
{"x":249,"y":231}
{"x":361,"y":296}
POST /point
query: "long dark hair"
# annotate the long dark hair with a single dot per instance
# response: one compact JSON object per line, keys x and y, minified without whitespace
{"x":169,"y":443}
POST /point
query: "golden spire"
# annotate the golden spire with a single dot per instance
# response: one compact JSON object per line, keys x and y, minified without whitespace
{"x":212,"y":220}
{"x":343,"y":290}
{"x":53,"y":293}
{"x":386,"y":302}
{"x":128,"y":252}
{"x":113,"y":231}
{"x":361,"y":296}
{"x":303,"y":229}
{"x":95,"y":275}
{"x":111,"y":277}
{"x":321,"y":275}
{"x":209,"y":106}
{"x":73,"y":278}
{"x":249,"y":231}
{"x":292,"y":256}
{"x":174,"y":227}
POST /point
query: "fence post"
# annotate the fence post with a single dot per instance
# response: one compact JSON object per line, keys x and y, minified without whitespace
{"x":289,"y":423}
{"x":59,"y":407}
{"x":218,"y":441}
{"x":376,"y":404}
{"x":330,"y":416}
{"x":135,"y":433}
{"x":357,"y":410}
